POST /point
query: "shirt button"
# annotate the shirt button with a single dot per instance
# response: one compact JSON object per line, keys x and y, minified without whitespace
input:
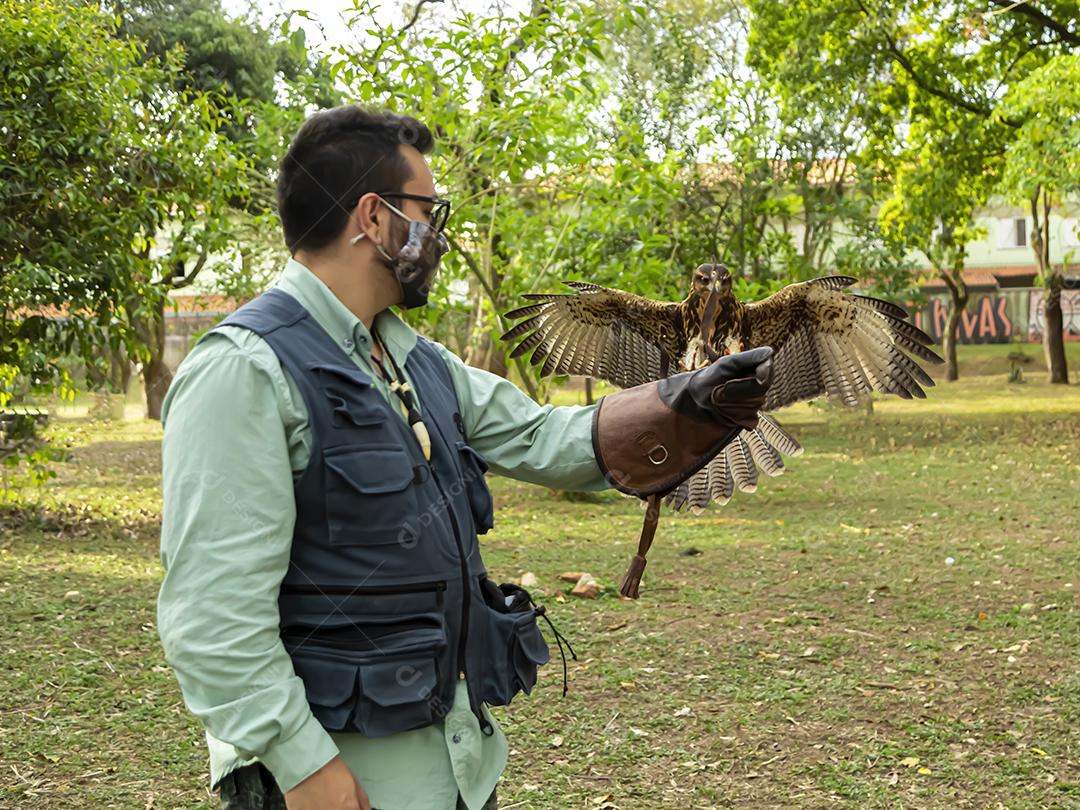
{"x":456,"y":738}
{"x":348,"y":343}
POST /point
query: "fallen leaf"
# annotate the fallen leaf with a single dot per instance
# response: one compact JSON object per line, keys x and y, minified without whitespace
{"x":909,"y":762}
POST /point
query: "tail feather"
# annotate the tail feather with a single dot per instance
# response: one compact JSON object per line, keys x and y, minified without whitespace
{"x":737,"y":466}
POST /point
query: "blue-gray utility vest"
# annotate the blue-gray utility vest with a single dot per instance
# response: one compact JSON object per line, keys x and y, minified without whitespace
{"x":386,"y":600}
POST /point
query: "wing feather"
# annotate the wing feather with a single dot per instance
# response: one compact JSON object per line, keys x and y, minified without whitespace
{"x":833,"y":343}
{"x":600,"y":332}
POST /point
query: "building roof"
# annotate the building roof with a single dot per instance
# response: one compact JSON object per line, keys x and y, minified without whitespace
{"x":200,"y":305}
{"x":981,"y":276}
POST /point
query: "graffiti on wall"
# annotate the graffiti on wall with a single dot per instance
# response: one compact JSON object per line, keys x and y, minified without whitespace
{"x":986,"y":319}
{"x":1070,"y":314}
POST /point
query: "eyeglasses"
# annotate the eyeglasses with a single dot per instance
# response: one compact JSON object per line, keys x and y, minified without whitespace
{"x":440,"y":208}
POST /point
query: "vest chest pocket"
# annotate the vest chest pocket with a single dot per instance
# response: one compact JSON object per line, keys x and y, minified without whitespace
{"x":473,"y":467}
{"x":370,"y":497}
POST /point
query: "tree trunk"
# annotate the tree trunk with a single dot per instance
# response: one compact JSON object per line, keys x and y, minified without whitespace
{"x":156,"y":374}
{"x":483,"y":349}
{"x":1052,"y":281}
{"x":1054,"y":331}
{"x":948,"y":342}
{"x":958,"y":300}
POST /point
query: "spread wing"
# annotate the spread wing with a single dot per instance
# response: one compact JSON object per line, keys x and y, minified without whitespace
{"x":844,"y":346}
{"x":599,"y":332}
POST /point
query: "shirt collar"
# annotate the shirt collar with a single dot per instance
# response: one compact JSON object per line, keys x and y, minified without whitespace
{"x":339,"y":321}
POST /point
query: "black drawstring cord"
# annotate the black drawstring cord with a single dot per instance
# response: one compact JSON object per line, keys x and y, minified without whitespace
{"x":560,"y":639}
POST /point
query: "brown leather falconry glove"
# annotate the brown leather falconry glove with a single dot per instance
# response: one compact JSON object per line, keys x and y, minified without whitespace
{"x":651,"y":438}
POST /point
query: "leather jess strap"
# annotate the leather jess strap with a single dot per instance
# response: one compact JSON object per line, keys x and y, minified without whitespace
{"x":632,"y":581}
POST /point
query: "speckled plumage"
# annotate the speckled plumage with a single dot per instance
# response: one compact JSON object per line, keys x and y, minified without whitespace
{"x":828,"y":342}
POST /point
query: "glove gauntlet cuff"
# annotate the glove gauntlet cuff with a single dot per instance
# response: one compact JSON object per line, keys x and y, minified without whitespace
{"x":644,"y":447}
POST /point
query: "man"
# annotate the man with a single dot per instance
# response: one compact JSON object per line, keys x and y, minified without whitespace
{"x":325,"y":606}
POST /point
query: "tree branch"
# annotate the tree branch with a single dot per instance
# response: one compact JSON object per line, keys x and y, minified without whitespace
{"x":1040,"y":17}
{"x":416,"y":13}
{"x":474,"y":268}
{"x":189,"y":278}
{"x":945,"y":95}
{"x":927,"y":86}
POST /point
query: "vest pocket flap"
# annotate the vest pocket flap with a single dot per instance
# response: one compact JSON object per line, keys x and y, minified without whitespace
{"x":328,"y":683}
{"x":472,"y":455}
{"x":531,"y":642}
{"x":352,"y":402}
{"x":473,"y":467}
{"x":395,"y":683}
{"x":340,"y":372}
{"x":373,"y":469}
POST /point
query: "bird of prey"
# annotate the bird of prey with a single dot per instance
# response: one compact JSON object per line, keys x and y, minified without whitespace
{"x":827,"y":342}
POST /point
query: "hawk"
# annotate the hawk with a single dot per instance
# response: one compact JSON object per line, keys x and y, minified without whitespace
{"x":827,"y":342}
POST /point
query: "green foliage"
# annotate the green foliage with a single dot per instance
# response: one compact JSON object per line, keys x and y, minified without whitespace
{"x":257,"y":78}
{"x":1044,"y":151}
{"x":221,"y":55}
{"x":944,"y":173}
{"x":619,"y":143}
{"x":68,"y":133}
{"x":507,"y":96}
{"x":929,"y":80}
{"x":114,"y":187}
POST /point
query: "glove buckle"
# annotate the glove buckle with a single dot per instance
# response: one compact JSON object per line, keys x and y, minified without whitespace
{"x":657,"y":461}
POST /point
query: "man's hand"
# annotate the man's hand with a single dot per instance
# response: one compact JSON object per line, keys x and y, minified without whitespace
{"x":332,"y":787}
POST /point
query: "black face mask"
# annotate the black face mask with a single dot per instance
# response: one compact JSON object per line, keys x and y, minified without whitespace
{"x":416,"y":262}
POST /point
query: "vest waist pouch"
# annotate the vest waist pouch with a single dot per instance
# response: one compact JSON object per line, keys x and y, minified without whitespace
{"x":375,"y":676}
{"x":517,"y":647}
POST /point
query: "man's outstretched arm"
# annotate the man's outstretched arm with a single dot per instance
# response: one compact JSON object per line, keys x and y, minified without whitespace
{"x":225,"y":542}
{"x":521,"y":439}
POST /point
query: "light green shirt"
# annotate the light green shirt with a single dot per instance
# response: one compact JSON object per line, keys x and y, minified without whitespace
{"x":236,"y":432}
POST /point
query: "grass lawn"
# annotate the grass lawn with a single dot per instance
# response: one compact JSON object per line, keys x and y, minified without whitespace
{"x":818,"y":651}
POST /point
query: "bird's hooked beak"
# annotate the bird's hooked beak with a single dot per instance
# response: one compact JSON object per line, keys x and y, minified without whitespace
{"x":714,"y":282}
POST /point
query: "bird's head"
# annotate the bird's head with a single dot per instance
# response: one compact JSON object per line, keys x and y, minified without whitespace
{"x":712,"y":279}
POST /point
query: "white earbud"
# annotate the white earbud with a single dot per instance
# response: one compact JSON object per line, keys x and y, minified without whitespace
{"x":356,"y":238}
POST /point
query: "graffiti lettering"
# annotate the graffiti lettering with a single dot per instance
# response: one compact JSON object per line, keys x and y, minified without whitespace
{"x":1070,"y":314}
{"x":986,"y":320}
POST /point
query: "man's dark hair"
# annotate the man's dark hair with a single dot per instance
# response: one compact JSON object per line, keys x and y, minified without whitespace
{"x":338,"y":156}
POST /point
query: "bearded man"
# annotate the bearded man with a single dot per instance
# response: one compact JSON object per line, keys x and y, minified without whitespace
{"x":325,"y":606}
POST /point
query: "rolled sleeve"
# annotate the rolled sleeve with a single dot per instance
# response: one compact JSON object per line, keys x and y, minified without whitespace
{"x":228,"y":516}
{"x":521,"y":439}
